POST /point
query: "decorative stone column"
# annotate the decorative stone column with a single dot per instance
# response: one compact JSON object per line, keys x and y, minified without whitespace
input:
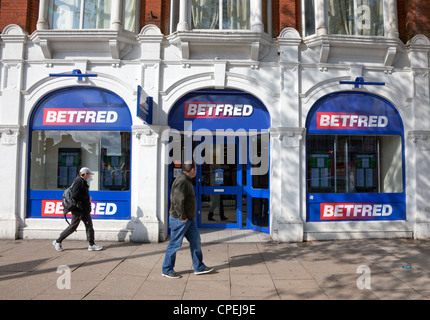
{"x":116,"y":15}
{"x":146,"y":168}
{"x":393,"y":25}
{"x":257,"y":16}
{"x":13,"y":38}
{"x":419,"y":153}
{"x":286,"y":184}
{"x":42,"y":20}
{"x":183,"y":14}
{"x":320,"y":23}
{"x":420,"y":158}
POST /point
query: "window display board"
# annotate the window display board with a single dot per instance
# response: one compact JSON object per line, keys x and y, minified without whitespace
{"x":80,"y":127}
{"x":354,"y":159}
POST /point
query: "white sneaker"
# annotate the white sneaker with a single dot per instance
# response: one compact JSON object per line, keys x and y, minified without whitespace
{"x":94,"y":248}
{"x":57,"y":245}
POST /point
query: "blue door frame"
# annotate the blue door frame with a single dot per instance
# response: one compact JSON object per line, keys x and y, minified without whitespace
{"x":245,"y":194}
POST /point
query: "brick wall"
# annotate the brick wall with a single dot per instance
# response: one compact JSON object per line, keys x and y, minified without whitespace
{"x":413,"y":15}
{"x":14,"y":12}
{"x":416,"y":18}
{"x":289,"y":14}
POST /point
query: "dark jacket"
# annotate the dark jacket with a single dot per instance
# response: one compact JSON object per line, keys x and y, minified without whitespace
{"x":81,"y":194}
{"x":183,"y":202}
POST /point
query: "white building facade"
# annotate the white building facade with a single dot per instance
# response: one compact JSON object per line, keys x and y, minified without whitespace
{"x":328,"y":127}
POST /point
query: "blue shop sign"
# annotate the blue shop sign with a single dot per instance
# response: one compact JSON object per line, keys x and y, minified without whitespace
{"x":353,"y":113}
{"x":219,"y":109}
{"x":81,"y":108}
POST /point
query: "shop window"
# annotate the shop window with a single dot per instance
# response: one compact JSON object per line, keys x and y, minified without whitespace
{"x":359,"y":17}
{"x":56,"y":157}
{"x":89,"y":14}
{"x":354,"y":164}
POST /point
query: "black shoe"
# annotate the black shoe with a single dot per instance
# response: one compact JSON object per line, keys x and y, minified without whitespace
{"x":211,"y":219}
{"x":224,"y":218}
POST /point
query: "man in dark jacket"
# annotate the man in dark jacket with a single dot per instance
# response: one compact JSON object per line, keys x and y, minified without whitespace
{"x":81,"y":195}
{"x":182,"y":224}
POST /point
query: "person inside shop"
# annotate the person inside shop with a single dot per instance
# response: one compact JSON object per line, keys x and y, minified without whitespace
{"x":80,"y":193}
{"x":182,"y":223}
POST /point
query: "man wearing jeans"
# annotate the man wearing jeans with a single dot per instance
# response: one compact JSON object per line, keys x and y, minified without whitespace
{"x":182,"y":211}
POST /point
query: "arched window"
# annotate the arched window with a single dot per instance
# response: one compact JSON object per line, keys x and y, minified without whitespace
{"x":354,"y":159}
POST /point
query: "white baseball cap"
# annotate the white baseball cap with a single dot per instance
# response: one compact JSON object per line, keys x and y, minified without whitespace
{"x":85,"y":170}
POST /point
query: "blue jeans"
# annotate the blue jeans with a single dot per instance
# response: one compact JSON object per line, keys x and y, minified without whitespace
{"x":179,"y":230}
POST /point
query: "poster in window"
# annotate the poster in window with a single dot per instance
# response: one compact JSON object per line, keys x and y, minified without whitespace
{"x":69,"y":161}
{"x":365,"y":166}
{"x":320,"y":165}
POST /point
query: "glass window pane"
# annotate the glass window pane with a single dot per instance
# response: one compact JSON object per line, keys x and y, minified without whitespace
{"x":115,"y":161}
{"x":354,"y":164}
{"x":56,"y":157}
{"x":219,"y":208}
{"x":391,"y":164}
{"x":361,"y":17}
{"x":130,"y":15}
{"x":341,"y":17}
{"x":370,"y":17}
{"x":64,"y":14}
{"x":97,"y":14}
{"x":223,"y":170}
{"x":259,"y":158}
{"x":236,"y":14}
{"x":309,"y":12}
{"x":205,"y":14}
{"x":260,"y":212}
{"x":320,"y":155}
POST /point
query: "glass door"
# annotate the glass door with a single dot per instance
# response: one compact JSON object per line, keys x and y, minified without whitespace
{"x":256,"y":192}
{"x":219,"y":184}
{"x":232,"y":181}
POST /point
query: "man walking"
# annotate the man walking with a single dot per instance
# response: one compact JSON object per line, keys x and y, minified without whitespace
{"x":182,"y":211}
{"x":80,"y":193}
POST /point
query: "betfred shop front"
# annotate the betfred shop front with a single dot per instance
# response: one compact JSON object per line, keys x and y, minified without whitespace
{"x":355,"y":160}
{"x":226,"y":133}
{"x":80,"y":127}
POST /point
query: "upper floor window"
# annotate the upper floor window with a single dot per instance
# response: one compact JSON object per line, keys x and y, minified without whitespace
{"x":221,"y":14}
{"x":349,"y":17}
{"x":359,"y":17}
{"x":89,"y":14}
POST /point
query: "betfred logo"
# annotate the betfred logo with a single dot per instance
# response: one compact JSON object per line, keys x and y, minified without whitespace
{"x":341,"y":120}
{"x":54,"y":208}
{"x":69,"y":116}
{"x":344,"y":211}
{"x":217,"y":110}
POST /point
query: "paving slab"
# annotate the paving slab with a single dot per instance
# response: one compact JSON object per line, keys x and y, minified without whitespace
{"x":324,"y":270}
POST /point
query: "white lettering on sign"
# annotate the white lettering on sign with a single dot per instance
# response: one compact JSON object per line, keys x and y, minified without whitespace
{"x":330,"y":211}
{"x":216,"y":110}
{"x":338,"y":120}
{"x":53,"y":208}
{"x":55,"y":116}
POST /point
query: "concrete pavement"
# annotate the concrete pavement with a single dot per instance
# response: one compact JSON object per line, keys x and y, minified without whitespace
{"x":263,"y":270}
